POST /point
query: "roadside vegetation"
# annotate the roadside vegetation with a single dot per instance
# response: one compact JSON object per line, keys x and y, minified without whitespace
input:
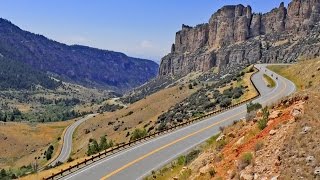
{"x":231,"y":89}
{"x":269,"y":81}
{"x":46,"y":110}
{"x":95,"y":147}
{"x":176,"y":167}
{"x":49,"y":152}
{"x":129,"y":122}
{"x":137,"y":134}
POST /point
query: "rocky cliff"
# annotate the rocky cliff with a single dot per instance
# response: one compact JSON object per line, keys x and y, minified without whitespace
{"x":235,"y":35}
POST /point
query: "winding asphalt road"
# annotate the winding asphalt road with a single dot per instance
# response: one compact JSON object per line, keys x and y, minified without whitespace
{"x":142,"y":159}
{"x":67,"y":140}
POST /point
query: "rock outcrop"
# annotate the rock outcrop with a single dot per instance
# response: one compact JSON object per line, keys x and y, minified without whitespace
{"x":235,"y":35}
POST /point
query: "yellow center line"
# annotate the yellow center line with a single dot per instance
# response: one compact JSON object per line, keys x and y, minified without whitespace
{"x":178,"y":140}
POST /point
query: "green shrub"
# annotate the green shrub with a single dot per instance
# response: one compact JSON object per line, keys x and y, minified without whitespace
{"x":191,"y":156}
{"x":70,"y":159}
{"x":181,"y":160}
{"x":221,"y":144}
{"x":225,"y":102}
{"x":195,"y":83}
{"x":245,"y":160}
{"x":197,"y":114}
{"x":137,"y":134}
{"x":94,"y":147}
{"x":212,"y":139}
{"x":262,"y":123}
{"x":49,"y":152}
{"x":253,"y":107}
{"x":270,"y":81}
{"x":129,"y":113}
{"x":162,"y":126}
{"x":212,"y":172}
{"x":265,"y":113}
{"x":228,"y":92}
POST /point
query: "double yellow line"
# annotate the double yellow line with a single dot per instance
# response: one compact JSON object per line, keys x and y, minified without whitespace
{"x":178,"y":140}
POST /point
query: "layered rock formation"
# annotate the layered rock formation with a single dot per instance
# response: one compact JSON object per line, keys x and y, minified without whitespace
{"x":236,"y":35}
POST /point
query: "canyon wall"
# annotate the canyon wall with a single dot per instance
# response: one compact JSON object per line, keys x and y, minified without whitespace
{"x":235,"y":35}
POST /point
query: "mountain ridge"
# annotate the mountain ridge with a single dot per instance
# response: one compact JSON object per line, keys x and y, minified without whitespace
{"x":75,"y":63}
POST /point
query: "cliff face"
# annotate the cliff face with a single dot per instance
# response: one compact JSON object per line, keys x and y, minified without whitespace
{"x":235,"y":35}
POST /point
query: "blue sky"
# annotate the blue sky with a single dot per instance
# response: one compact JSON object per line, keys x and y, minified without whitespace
{"x":140,"y":28}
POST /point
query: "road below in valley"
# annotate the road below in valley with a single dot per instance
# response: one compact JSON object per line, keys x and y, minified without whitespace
{"x":67,"y":140}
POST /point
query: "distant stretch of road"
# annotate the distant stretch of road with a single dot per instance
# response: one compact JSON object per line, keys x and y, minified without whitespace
{"x":140,"y":160}
{"x":67,"y":140}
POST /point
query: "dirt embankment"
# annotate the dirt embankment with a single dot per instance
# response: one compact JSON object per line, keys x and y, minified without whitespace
{"x":287,"y":148}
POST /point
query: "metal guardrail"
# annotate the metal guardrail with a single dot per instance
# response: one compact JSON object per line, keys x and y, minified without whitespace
{"x":123,"y":146}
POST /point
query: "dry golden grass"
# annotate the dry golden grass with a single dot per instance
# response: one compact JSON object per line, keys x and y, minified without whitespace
{"x":22,"y":142}
{"x":47,"y":173}
{"x":250,"y":91}
{"x":269,"y":81}
{"x":23,"y":107}
{"x":144,"y":111}
{"x":304,"y":74}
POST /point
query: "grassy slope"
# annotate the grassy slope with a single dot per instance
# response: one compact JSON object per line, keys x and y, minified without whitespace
{"x":22,"y":142}
{"x":144,"y":111}
{"x":269,"y":81}
{"x":305,"y":74}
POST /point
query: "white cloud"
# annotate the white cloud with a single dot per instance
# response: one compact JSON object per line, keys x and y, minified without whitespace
{"x":145,"y":44}
{"x":145,"y":49}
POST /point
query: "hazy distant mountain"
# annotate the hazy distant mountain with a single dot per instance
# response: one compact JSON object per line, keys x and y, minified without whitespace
{"x":79,"y":64}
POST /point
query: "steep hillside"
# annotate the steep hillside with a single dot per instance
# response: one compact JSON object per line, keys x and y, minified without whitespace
{"x":306,"y":74}
{"x":285,"y":147}
{"x":79,"y":64}
{"x":21,"y":143}
{"x":17,"y":75}
{"x":235,"y":35}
